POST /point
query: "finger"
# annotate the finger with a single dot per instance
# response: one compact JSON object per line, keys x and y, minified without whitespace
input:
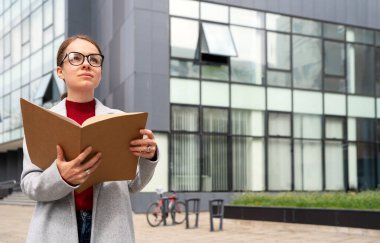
{"x":91,"y":162}
{"x":147,"y":132}
{"x":60,"y":154}
{"x":143,"y":142}
{"x":82,"y":156}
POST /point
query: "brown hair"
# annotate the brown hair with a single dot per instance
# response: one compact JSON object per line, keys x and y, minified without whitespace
{"x":61,"y":51}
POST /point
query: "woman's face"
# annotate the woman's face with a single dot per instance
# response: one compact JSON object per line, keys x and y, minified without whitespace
{"x":83,"y":78}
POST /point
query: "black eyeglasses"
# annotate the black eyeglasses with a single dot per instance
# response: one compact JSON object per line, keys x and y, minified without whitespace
{"x":77,"y":58}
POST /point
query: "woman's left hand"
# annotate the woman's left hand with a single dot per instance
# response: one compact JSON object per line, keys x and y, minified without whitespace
{"x":145,"y":147}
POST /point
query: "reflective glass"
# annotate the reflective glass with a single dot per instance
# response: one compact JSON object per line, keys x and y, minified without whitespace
{"x":366,"y":165}
{"x":365,"y":130}
{"x":307,"y":126}
{"x":278,"y":51}
{"x":185,"y":166}
{"x":16,"y":44}
{"x":277,"y":78}
{"x":279,"y":99}
{"x":218,"y":40}
{"x":304,"y":100}
{"x":36,"y":65}
{"x":378,"y":38}
{"x":7,"y":81}
{"x":334,"y":58}
{"x":360,"y":69}
{"x":185,"y":8}
{"x":215,"y":120}
{"x":359,"y":106}
{"x":185,"y":118}
{"x":16,"y":12}
{"x":307,"y":62}
{"x":279,"y":124}
{"x":36,"y":29}
{"x":214,"y":166}
{"x":335,"y":84}
{"x":184,"y":68}
{"x":25,"y":50}
{"x":216,"y":72}
{"x":7,"y":20}
{"x":214,"y":12}
{"x":239,"y":94}
{"x":377,"y":68}
{"x":359,"y":35}
{"x":6,"y":107}
{"x":25,"y":30}
{"x":7,"y":45}
{"x":184,"y":37}
{"x":59,"y":17}
{"x":25,"y":4}
{"x":333,"y":31}
{"x":247,"y":122}
{"x":306,"y":27}
{"x":48,"y":13}
{"x":15,"y":109}
{"x":16,"y":76}
{"x":307,"y":165}
{"x":334,"y":165}
{"x":277,"y":22}
{"x":335,"y":128}
{"x":48,"y":58}
{"x":48,"y":35}
{"x":1,"y":55}
{"x":215,"y":94}
{"x":249,"y":65}
{"x":279,"y":170}
{"x":246,"y":17}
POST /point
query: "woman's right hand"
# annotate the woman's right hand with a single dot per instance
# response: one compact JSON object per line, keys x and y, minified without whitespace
{"x":74,"y":172}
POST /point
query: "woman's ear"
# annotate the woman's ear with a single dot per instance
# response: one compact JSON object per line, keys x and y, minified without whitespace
{"x":60,"y":73}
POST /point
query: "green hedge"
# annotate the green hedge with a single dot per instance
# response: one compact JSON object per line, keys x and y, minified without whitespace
{"x":364,"y":200}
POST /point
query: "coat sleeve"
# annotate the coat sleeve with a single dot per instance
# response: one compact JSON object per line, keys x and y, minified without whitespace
{"x":145,"y":171}
{"x":42,"y":185}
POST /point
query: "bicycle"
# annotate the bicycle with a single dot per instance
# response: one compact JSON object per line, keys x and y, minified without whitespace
{"x":169,"y":204}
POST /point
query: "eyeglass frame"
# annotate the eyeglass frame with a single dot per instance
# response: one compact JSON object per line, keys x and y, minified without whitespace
{"x":84,"y":57}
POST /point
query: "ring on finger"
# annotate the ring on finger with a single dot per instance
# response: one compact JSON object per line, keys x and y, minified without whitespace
{"x":148,"y":148}
{"x":88,"y":171}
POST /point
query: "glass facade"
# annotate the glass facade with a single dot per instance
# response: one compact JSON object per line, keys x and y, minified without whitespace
{"x":268,"y":102}
{"x":30,"y":34}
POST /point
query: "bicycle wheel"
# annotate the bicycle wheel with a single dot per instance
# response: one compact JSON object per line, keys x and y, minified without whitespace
{"x":179,"y":212}
{"x":154,"y":215}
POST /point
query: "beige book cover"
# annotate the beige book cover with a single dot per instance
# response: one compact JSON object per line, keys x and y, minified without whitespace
{"x":109,"y":134}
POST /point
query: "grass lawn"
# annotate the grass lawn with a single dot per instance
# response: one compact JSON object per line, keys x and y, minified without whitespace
{"x":368,"y":200}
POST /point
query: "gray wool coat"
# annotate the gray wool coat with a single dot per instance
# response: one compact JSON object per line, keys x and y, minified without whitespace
{"x":54,"y":217}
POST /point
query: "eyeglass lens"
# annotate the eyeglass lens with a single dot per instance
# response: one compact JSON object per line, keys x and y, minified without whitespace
{"x":76,"y":58}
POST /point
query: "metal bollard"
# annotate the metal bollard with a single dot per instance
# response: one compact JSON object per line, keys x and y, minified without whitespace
{"x":195,"y":210}
{"x":216,"y":209}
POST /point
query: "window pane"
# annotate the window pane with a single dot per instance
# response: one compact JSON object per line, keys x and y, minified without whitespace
{"x":48,"y":13}
{"x":59,"y":17}
{"x":36,"y":29}
{"x":25,"y":30}
{"x":214,"y":176}
{"x":16,"y":44}
{"x":334,"y":165}
{"x":360,"y":69}
{"x":279,"y":170}
{"x":366,"y":165}
{"x":7,"y":45}
{"x":239,"y":94}
{"x":247,"y":122}
{"x":184,"y":37}
{"x":48,"y":58}
{"x":359,"y":106}
{"x":25,"y":71}
{"x":335,"y":128}
{"x":334,"y":31}
{"x":306,"y":27}
{"x":277,"y":22}
{"x":307,"y":62}
{"x":246,"y":17}
{"x":365,"y":130}
{"x":307,"y":126}
{"x":16,"y":77}
{"x":185,"y":166}
{"x":184,"y":8}
{"x":279,"y":99}
{"x":307,"y":165}
{"x":377,"y":68}
{"x":214,"y":12}
{"x":248,"y":66}
{"x":307,"y":102}
{"x":335,"y":84}
{"x":215,"y":120}
{"x":282,"y":79}
{"x":185,"y":118}
{"x":378,"y":38}
{"x":184,"y":91}
{"x":184,"y":69}
{"x":278,"y":49}
{"x":15,"y":109}
{"x":216,"y":72}
{"x":334,"y":58}
{"x":218,"y":40}
{"x":36,"y":65}
{"x":359,"y":35}
{"x":279,"y":124}
{"x":248,"y":164}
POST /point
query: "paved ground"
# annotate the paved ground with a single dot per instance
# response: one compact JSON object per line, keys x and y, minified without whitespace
{"x":14,"y":222}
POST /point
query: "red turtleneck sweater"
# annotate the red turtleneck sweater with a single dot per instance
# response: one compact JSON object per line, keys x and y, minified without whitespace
{"x":80,"y":112}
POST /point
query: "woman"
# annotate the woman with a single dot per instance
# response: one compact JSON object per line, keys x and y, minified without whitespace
{"x":103,"y":212}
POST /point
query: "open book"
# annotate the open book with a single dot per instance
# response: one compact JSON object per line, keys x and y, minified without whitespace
{"x":109,"y":134}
